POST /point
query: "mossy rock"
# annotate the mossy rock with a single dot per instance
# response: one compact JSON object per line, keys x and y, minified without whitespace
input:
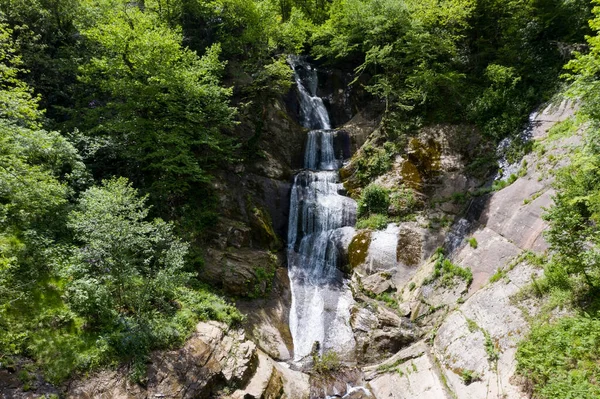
{"x":262,"y":229}
{"x":359,"y":248}
{"x":409,"y":250}
{"x":411,"y":176}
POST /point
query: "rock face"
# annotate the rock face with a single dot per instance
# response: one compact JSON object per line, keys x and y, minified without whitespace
{"x":253,"y":207}
{"x":471,"y":353}
{"x":379,"y":331}
{"x":480,"y":339}
{"x":213,"y":358}
{"x":267,"y":320}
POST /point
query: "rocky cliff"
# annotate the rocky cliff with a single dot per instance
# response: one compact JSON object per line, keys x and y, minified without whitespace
{"x":420,"y":331}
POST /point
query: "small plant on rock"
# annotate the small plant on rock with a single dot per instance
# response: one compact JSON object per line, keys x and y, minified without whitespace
{"x":328,"y":362}
{"x":473,"y":242}
{"x":469,"y":376}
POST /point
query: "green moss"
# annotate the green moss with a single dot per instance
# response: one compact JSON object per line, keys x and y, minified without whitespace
{"x":359,"y":248}
{"x":411,"y":176}
{"x":408,"y":250}
{"x":425,"y":156}
{"x":263,"y":284}
{"x":262,"y":227}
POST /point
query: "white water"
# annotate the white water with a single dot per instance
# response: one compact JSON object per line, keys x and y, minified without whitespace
{"x":321,"y":299}
{"x":313,"y":113}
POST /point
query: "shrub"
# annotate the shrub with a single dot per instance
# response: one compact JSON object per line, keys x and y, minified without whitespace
{"x":373,"y":199}
{"x":469,"y":376}
{"x":561,"y":359}
{"x":403,"y":201}
{"x":445,"y":271}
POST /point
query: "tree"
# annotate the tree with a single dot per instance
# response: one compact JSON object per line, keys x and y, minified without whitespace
{"x":157,"y":107}
{"x":126,"y":266}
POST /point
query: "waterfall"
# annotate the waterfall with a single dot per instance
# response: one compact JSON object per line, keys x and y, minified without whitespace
{"x":313,"y":113}
{"x":321,"y":299}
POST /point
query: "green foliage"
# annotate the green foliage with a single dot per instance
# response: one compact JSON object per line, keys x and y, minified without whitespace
{"x":374,"y":221}
{"x":408,"y":46}
{"x":176,"y":111}
{"x":561,"y":358}
{"x":404,"y":201}
{"x":374,"y":199}
{"x":490,"y":348}
{"x":274,"y":79}
{"x":574,"y":234}
{"x":584,"y":71}
{"x":127,"y":266}
{"x":473,"y":242}
{"x":50,"y":48}
{"x":497,"y":276}
{"x":563,"y":129}
{"x":327,"y":363}
{"x":500,"y":110}
{"x":369,"y":163}
{"x":445,"y":271}
{"x":469,"y":376}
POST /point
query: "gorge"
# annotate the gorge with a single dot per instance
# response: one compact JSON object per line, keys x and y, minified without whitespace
{"x":281,"y":199}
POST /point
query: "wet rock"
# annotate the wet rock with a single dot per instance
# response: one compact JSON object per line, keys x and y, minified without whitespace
{"x":379,"y":332}
{"x":378,"y":283}
{"x":359,"y":128}
{"x":20,"y":379}
{"x":409,"y":250}
{"x":267,"y":320}
{"x":336,"y":383}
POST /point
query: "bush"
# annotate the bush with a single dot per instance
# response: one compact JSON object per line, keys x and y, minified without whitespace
{"x":404,"y":201}
{"x":469,"y":376}
{"x":561,"y":359}
{"x":374,"y":199}
{"x":445,"y":271}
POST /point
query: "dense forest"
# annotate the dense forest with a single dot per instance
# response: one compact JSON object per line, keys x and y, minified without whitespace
{"x":115,"y":116}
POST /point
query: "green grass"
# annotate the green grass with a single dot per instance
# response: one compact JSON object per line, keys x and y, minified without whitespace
{"x":373,"y":222}
{"x":566,"y":128}
{"x":469,"y":376}
{"x":500,"y":273}
{"x":328,"y":363}
{"x":473,"y":242}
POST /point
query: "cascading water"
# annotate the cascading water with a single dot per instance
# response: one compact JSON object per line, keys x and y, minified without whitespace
{"x":313,"y":113}
{"x":321,"y":299}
